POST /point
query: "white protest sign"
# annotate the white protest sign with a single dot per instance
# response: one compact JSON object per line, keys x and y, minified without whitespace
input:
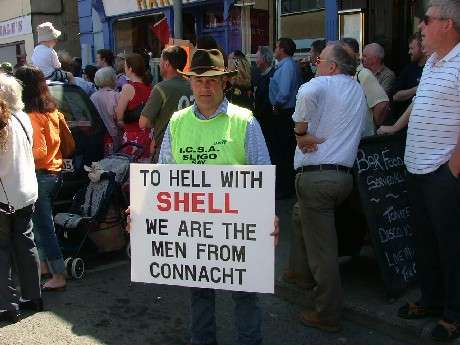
{"x":203,"y":226}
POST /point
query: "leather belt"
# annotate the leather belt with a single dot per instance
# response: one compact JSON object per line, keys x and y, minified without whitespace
{"x":320,"y":167}
{"x":46,"y":172}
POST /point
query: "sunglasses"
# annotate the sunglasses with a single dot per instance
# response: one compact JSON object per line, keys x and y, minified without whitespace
{"x":318,"y":60}
{"x":428,"y":19}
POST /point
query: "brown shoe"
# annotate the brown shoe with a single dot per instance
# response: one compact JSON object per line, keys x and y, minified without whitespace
{"x":291,"y":277}
{"x":311,"y":319}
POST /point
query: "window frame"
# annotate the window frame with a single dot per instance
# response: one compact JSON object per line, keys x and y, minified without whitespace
{"x":316,"y":9}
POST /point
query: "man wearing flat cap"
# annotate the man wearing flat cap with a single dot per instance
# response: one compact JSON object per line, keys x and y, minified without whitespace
{"x":213,"y":119}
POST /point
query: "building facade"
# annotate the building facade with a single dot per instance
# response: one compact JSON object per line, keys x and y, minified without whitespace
{"x":18,"y":20}
{"x":128,"y":26}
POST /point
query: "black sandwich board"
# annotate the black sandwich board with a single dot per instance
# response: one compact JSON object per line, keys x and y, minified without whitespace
{"x":380,"y":175}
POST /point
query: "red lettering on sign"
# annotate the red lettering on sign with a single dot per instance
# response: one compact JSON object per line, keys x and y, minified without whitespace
{"x":193,"y":202}
{"x":197,"y":200}
{"x":227,"y":208}
{"x":164,"y":202}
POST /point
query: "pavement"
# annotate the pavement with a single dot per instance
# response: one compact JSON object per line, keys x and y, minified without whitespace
{"x":366,"y":302}
{"x":106,"y":308}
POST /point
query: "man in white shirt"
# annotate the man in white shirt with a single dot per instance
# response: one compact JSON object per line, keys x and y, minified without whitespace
{"x":328,"y":129}
{"x":432,"y":158}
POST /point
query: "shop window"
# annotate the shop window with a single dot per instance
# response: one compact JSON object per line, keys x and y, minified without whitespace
{"x":293,"y":6}
{"x":213,"y":19}
{"x":134,"y":35}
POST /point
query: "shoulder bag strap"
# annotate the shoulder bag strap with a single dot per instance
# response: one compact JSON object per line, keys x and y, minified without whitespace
{"x":24,"y":128}
{"x":4,"y":191}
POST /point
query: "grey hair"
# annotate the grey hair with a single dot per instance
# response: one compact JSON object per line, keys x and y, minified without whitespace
{"x":105,"y":76}
{"x":267,"y":54}
{"x":377,"y":50}
{"x":448,"y":9}
{"x":346,"y":63}
{"x":11,"y":92}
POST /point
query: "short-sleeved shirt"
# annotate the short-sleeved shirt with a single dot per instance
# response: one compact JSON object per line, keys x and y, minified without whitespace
{"x":166,"y":98}
{"x":46,"y":59}
{"x":386,"y":78}
{"x":337,"y":117}
{"x":434,"y":123}
{"x":374,"y":93}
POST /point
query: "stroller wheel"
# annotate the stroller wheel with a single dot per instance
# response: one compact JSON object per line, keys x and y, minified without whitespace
{"x":76,"y":267}
{"x":68,"y":267}
{"x":128,"y":250}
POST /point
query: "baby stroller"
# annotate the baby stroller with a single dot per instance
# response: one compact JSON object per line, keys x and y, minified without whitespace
{"x":96,"y":221}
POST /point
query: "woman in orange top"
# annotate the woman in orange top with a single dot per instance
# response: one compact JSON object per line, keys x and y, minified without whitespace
{"x":43,"y":113}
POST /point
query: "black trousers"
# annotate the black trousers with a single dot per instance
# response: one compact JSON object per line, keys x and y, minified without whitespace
{"x":435,"y":217}
{"x":283,"y":152}
{"x":17,"y":241}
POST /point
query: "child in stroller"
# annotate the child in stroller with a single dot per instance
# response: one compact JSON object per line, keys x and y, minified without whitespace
{"x":96,"y":221}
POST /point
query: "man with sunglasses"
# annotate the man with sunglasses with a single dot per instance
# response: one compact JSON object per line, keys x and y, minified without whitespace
{"x":328,"y":128}
{"x":432,"y":158}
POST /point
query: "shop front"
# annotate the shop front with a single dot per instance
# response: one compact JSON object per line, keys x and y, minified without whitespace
{"x":145,"y":26}
{"x":16,"y":39}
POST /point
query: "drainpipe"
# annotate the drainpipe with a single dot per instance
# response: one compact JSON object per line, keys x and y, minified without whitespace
{"x":177,"y":19}
{"x":278,"y":21}
{"x":331,"y":22}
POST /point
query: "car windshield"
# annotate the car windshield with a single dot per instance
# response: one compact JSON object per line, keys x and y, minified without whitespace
{"x":76,"y":109}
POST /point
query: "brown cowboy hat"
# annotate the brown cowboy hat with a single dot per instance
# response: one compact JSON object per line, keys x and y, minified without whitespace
{"x":207,"y":63}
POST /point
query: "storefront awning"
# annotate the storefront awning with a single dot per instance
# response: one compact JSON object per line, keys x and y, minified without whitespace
{"x":117,"y":7}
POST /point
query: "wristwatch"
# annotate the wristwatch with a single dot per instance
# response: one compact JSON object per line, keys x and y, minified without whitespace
{"x":297,"y":134}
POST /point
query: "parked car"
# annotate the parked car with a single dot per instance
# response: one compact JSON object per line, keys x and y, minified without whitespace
{"x":88,"y":131}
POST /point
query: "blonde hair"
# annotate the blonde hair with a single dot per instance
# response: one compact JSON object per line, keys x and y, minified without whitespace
{"x":5,"y":115}
{"x":11,"y":92}
{"x":241,"y":64}
{"x":10,"y":102}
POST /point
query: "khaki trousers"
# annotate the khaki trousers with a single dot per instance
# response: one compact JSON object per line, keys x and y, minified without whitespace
{"x":318,"y":194}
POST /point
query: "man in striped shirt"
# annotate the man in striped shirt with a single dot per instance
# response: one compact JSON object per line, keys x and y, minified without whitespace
{"x":433,"y":160}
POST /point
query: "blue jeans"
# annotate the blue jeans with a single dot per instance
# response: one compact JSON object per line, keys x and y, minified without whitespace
{"x":17,"y":243}
{"x":47,"y":243}
{"x":247,"y":314}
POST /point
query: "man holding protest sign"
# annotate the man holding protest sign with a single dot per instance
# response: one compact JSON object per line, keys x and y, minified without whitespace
{"x":218,"y":133}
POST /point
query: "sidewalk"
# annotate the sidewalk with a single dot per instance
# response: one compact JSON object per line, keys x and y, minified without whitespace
{"x":365,"y":300}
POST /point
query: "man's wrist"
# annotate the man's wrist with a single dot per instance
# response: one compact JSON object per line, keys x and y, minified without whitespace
{"x":454,"y":168}
{"x":299,"y":134}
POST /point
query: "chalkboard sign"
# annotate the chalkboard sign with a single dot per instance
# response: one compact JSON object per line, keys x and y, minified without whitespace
{"x":381,"y":179}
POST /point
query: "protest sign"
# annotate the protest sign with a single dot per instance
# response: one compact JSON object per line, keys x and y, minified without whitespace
{"x":203,"y":226}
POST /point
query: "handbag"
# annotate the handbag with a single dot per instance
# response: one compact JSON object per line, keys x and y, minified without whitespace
{"x":67,"y":146}
{"x":6,"y":209}
{"x":133,"y":115}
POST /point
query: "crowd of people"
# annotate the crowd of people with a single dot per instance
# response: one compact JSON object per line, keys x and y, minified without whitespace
{"x":306,"y":117}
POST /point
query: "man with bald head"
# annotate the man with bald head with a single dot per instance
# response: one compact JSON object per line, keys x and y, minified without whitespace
{"x":373,"y":55}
